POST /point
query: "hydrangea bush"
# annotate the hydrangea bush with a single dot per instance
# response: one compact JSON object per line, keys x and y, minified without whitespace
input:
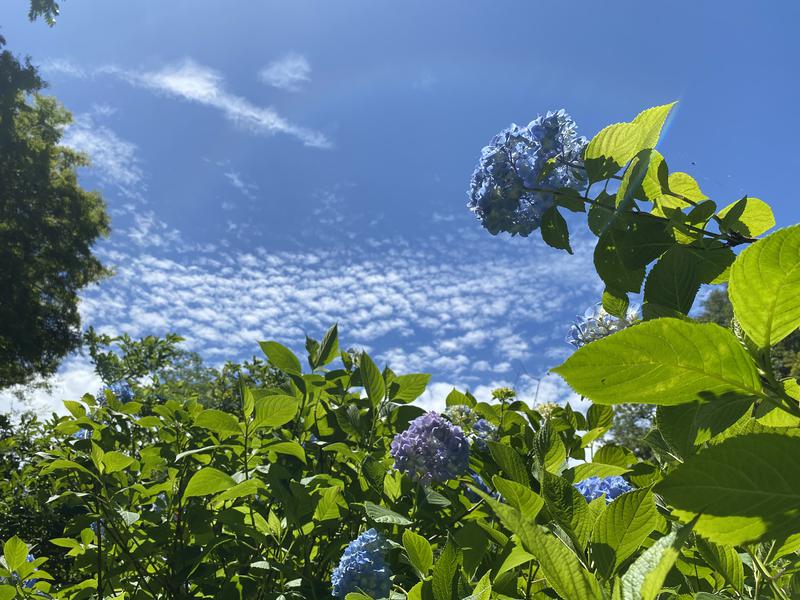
{"x":336,"y":484}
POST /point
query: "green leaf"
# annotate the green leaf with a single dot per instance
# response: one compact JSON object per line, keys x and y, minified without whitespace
{"x":725,"y":560}
{"x":7,"y":592}
{"x":521,"y":497}
{"x":559,"y":564}
{"x":381,"y":514}
{"x":615,"y":303}
{"x":281,"y":357}
{"x":218,"y":421}
{"x":599,"y":416}
{"x":328,"y":349}
{"x":372,"y":379}
{"x":15,"y":552}
{"x":601,"y":213}
{"x":622,"y":528}
{"x":749,"y":217}
{"x":656,"y":181}
{"x":419,"y":551}
{"x":673,"y":282}
{"x":483,"y":589}
{"x":765,"y":287}
{"x":650,"y":122}
{"x":289,"y":448}
{"x":75,"y":408}
{"x":274,"y":411}
{"x":745,"y":489}
{"x":712,"y":260}
{"x":611,"y":149}
{"x":510,"y":461}
{"x":116,"y":461}
{"x":248,"y":487}
{"x":685,"y":185}
{"x":208,"y":481}
{"x":554,"y":230}
{"x":610,"y":267}
{"x":445,"y":573}
{"x":407,"y":388}
{"x":645,"y":577}
{"x":664,"y":361}
{"x":632,"y":180}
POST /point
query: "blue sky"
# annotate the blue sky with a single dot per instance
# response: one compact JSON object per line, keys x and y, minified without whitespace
{"x":274,"y":167}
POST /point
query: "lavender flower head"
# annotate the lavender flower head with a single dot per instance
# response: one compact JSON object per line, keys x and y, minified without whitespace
{"x":431,"y":450}
{"x":363,"y":568}
{"x":512,"y":185}
{"x":594,"y":487}
{"x":596,"y":324}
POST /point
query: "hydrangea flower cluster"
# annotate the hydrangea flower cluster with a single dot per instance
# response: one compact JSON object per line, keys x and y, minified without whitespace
{"x":594,"y":487}
{"x":121,"y":390}
{"x":546,"y":409}
{"x":363,"y":568}
{"x":513,"y":184}
{"x":482,"y":486}
{"x":83,"y":434}
{"x":478,"y":430}
{"x":596,"y":324}
{"x":432,"y":449}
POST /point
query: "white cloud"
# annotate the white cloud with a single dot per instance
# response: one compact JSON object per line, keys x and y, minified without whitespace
{"x":114,"y":160}
{"x":198,"y":83}
{"x":246,"y":188}
{"x":288,"y":73}
{"x":75,"y":378}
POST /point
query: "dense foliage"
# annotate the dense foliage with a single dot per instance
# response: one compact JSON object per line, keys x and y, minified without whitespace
{"x":48,"y":225}
{"x":330,"y":481}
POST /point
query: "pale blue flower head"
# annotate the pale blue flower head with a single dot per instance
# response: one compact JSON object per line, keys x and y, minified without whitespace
{"x":431,"y":450}
{"x":513,"y":183}
{"x":483,"y":431}
{"x":594,"y":487}
{"x":596,"y":323}
{"x":121,"y":390}
{"x":363,"y":568}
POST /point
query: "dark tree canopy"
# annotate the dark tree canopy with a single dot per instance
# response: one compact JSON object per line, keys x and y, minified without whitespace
{"x":47,"y":9}
{"x":48,"y":225}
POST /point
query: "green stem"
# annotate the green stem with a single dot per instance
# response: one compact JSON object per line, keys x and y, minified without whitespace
{"x":765,"y":573}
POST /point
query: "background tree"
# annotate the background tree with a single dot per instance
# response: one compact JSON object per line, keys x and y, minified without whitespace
{"x":48,"y":225}
{"x":47,"y":9}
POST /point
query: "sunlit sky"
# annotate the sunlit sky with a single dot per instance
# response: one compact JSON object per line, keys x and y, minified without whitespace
{"x":274,"y":167}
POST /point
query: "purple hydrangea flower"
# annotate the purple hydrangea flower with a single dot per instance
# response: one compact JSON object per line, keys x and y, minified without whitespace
{"x":596,"y":324}
{"x":363,"y":568}
{"x":594,"y":487}
{"x":512,"y":185}
{"x":431,"y":450}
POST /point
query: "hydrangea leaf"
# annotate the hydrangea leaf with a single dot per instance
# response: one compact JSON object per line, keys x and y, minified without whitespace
{"x":510,"y":462}
{"x":273,"y":410}
{"x":673,"y":282}
{"x":656,"y":180}
{"x":745,"y":489}
{"x":372,"y":379}
{"x":615,"y":303}
{"x":611,"y":149}
{"x":15,"y":552}
{"x":645,"y":577}
{"x":208,"y":481}
{"x":651,"y":121}
{"x":519,"y":496}
{"x":407,"y":388}
{"x":419,"y":552}
{"x":281,"y":357}
{"x":559,"y":565}
{"x":749,"y":217}
{"x":446,"y":572}
{"x":555,"y":232}
{"x":218,"y":421}
{"x":725,"y":560}
{"x":765,"y":287}
{"x":381,"y":514}
{"x":680,"y":361}
{"x":622,"y":528}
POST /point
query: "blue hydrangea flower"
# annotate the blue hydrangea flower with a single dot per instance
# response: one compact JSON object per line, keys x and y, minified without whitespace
{"x":596,"y":323}
{"x":482,"y":432}
{"x":121,"y":390}
{"x":594,"y":487}
{"x":363,"y":568}
{"x":432,"y":449}
{"x":83,"y":434}
{"x":512,"y":185}
{"x":482,"y":486}
{"x":477,"y":430}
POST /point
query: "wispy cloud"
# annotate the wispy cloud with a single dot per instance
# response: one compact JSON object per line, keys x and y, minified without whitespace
{"x":114,"y":160}
{"x":198,"y":83}
{"x":246,"y":188}
{"x":288,"y":73}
